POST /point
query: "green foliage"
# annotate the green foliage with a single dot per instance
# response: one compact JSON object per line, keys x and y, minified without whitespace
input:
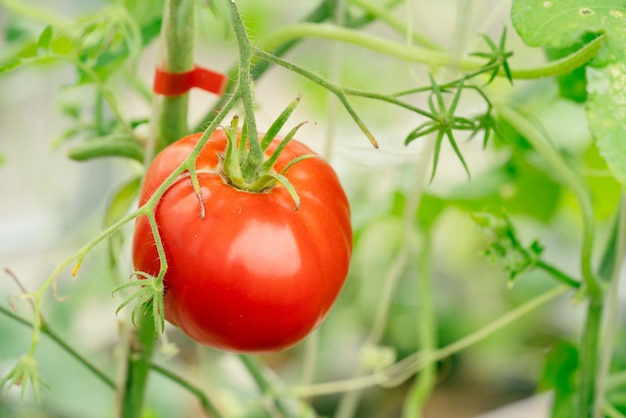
{"x":559,"y":375}
{"x":100,"y":46}
{"x":570,"y":21}
{"x":119,"y":205}
{"x":505,"y":247}
{"x":573,"y":85}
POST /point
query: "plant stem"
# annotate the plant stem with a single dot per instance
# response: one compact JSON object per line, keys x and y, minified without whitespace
{"x":384,"y":15}
{"x":588,"y":361}
{"x":245,"y":84}
{"x":589,"y":349}
{"x":205,"y":402}
{"x":537,"y":138}
{"x":323,"y":83}
{"x":256,"y":371}
{"x":178,"y":32}
{"x":424,"y":55}
{"x":324,"y":10}
{"x":45,"y":329}
{"x":557,"y":274}
{"x":141,"y":347}
{"x":613,"y":260}
{"x":404,"y":369}
{"x":427,"y":331}
{"x":392,"y":276}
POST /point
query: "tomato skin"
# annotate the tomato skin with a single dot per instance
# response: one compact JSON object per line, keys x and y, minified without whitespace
{"x":254,"y":275}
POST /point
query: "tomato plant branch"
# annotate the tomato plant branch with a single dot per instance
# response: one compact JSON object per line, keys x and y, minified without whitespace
{"x":45,"y":329}
{"x":141,"y":347}
{"x":207,"y":405}
{"x":245,"y":86}
{"x":396,"y":269}
{"x":323,"y":83}
{"x":548,"y":151}
{"x":254,"y":368}
{"x":593,"y":289}
{"x":427,"y":56}
{"x":324,"y":10}
{"x":556,"y":273}
{"x":608,"y":333}
{"x":146,"y":209}
{"x":178,"y":33}
{"x":405,"y":368}
{"x":204,"y":400}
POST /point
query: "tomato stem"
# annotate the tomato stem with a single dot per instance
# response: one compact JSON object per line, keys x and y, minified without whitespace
{"x":425,"y":55}
{"x":323,"y":11}
{"x":593,"y":289}
{"x":255,"y":369}
{"x":550,"y":154}
{"x":336,"y":90}
{"x":178,"y":33}
{"x":399,"y":372}
{"x":141,"y":347}
{"x":610,"y":270}
{"x":427,"y":332}
{"x":254,"y":156}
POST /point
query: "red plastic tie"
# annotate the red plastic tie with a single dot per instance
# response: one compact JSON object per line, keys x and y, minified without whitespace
{"x":175,"y":84}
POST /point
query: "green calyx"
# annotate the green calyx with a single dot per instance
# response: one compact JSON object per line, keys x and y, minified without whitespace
{"x":246,"y":165}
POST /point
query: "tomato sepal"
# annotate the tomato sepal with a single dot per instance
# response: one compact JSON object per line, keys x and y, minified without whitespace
{"x":150,"y":293}
{"x":277,"y":125}
{"x":24,"y":373}
{"x":241,"y":166}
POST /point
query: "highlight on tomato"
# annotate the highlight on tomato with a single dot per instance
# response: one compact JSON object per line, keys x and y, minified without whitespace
{"x":262,"y":266}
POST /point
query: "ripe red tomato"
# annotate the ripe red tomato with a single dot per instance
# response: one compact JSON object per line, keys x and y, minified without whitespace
{"x":254,"y":275}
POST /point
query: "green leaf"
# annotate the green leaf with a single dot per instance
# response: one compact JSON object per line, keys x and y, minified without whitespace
{"x":122,"y":201}
{"x":563,"y":23}
{"x":8,"y":66}
{"x":559,"y":374}
{"x":606,"y":112}
{"x":430,"y":208}
{"x":605,"y":190}
{"x":573,"y":85}
{"x":45,"y":39}
{"x":119,"y":205}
